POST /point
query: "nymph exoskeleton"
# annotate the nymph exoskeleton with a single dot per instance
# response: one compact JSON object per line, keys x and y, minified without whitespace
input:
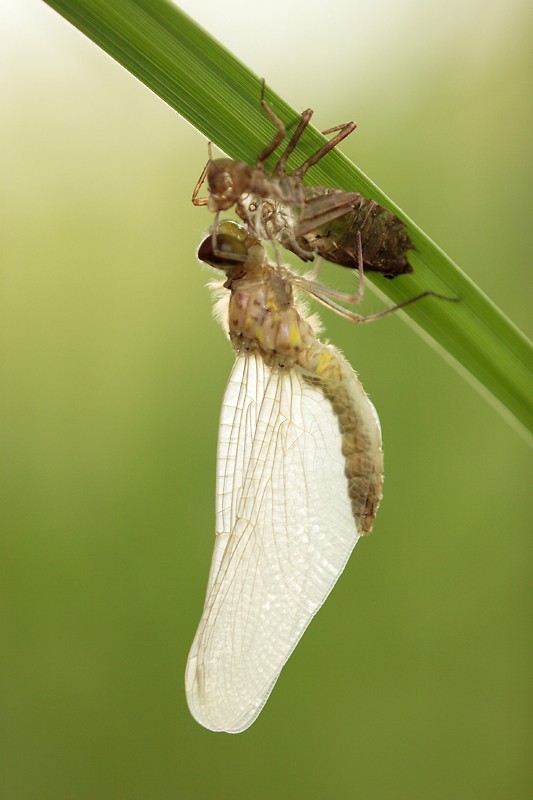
{"x":308,"y":220}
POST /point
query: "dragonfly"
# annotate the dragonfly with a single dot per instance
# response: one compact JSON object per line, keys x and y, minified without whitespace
{"x":299,"y":480}
{"x":308,"y":220}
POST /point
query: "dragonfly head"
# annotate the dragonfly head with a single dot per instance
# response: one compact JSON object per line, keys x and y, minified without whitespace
{"x":232,"y":247}
{"x":227,"y":180}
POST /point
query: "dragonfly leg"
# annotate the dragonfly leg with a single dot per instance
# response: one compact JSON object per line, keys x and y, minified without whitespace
{"x":202,"y":201}
{"x":279,"y":125}
{"x":360,"y":271}
{"x":325,"y":298}
{"x":214,"y":233}
{"x":344,"y":131}
{"x":329,"y":297}
{"x":304,"y":122}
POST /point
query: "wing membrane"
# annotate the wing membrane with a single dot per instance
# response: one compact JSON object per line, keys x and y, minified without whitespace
{"x":285,"y":530}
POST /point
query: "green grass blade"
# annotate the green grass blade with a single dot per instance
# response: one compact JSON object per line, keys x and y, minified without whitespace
{"x":219,"y":95}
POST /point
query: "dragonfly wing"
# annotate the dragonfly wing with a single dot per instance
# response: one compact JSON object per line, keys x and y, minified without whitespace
{"x":285,"y":530}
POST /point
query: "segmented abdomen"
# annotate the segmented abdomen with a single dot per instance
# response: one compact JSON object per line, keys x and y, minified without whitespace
{"x":359,"y":427}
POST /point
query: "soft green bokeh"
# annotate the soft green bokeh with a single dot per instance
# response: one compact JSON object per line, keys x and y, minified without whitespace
{"x":412,"y":682}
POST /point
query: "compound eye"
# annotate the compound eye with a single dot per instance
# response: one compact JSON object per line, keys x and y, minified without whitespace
{"x":229,"y":250}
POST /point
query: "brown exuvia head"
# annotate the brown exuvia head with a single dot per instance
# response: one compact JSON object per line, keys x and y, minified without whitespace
{"x":227,"y":181}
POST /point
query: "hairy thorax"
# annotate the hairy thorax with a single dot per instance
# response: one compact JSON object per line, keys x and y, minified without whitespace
{"x":262,"y":317}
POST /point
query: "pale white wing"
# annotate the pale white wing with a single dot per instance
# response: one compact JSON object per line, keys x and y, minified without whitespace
{"x":285,"y":530}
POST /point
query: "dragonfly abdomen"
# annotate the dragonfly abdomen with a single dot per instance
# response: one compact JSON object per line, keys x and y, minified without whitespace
{"x":359,"y":427}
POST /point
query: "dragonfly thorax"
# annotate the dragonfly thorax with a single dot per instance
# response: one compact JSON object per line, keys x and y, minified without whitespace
{"x":262,"y":317}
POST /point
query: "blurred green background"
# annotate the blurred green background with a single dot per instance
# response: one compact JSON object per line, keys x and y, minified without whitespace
{"x":413,"y":681}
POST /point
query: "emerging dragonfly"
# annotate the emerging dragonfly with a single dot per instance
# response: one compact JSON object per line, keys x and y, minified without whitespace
{"x":307,"y":220}
{"x":299,"y":479}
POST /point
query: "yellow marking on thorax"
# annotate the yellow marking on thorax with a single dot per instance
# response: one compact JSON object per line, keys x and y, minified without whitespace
{"x":295,"y":338}
{"x":259,"y":335}
{"x":272,"y":304}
